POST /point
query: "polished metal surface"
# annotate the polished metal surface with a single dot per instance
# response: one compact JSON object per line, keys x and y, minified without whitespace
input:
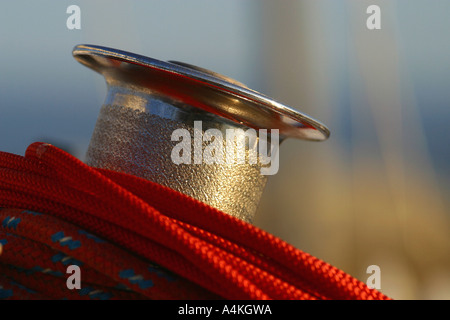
{"x":201,"y":89}
{"x":148,"y":99}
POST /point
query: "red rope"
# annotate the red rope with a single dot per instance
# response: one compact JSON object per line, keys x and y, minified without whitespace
{"x":143,"y":221}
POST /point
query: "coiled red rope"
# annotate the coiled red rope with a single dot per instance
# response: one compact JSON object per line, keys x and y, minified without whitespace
{"x":135,"y":239}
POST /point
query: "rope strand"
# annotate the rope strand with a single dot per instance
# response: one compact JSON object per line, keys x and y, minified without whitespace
{"x":118,"y":225}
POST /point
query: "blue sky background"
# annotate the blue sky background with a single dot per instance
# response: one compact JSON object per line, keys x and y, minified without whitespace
{"x":45,"y":93}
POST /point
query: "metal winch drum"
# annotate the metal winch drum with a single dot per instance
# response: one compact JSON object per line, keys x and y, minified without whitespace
{"x":148,"y":100}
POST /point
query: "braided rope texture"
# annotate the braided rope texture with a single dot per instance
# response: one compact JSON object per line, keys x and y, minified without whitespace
{"x":135,"y":239}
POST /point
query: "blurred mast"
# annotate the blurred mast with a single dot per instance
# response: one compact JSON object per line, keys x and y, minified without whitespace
{"x":382,"y":200}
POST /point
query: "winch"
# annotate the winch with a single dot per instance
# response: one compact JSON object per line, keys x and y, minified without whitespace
{"x":171,"y":123}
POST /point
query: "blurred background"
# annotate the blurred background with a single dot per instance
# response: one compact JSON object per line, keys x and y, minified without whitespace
{"x":375,"y":193}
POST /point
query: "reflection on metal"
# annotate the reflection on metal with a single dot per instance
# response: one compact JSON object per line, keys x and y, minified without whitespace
{"x":148,"y":99}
